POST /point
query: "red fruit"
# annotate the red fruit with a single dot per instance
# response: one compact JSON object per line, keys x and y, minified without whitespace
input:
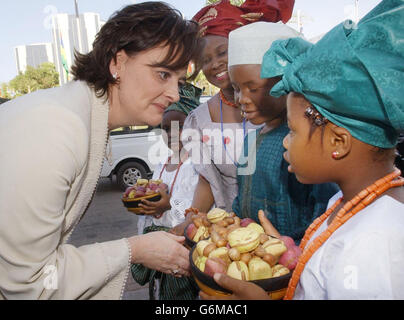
{"x":191,"y":231}
{"x":149,"y":192}
{"x":288,"y":241}
{"x":127,"y":191}
{"x":289,"y":258}
{"x":153,"y":186}
{"x":140,"y":188}
{"x":246,"y":221}
{"x":139,"y":194}
{"x":215,"y":265}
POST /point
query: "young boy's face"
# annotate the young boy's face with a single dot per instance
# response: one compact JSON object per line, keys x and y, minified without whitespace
{"x":172,"y":123}
{"x":252,"y":94}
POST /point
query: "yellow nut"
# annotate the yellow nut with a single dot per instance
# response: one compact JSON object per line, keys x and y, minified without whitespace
{"x":238,"y":270}
{"x":259,"y":269}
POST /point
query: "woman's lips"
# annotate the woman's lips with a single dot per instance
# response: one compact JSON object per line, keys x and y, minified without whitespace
{"x":160,"y":106}
{"x":222,"y":76}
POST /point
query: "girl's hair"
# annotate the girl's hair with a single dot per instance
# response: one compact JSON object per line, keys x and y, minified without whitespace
{"x":379,"y":154}
{"x":134,"y":29}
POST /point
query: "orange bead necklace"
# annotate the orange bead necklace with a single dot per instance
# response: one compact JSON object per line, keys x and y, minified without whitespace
{"x":352,"y":207}
{"x":231,"y":104}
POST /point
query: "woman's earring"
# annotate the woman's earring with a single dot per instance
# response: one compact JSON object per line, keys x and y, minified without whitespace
{"x":115,"y":75}
{"x":335,"y":155}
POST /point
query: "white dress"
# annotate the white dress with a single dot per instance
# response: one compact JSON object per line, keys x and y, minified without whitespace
{"x":181,"y":197}
{"x":205,"y":141}
{"x":363,"y":259}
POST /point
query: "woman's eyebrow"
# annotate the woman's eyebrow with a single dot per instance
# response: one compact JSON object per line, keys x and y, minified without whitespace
{"x":221,"y":47}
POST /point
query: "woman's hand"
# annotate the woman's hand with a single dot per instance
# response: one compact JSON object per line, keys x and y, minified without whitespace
{"x":156,"y":208}
{"x":242,"y":290}
{"x":161,"y":251}
{"x":267,"y":225}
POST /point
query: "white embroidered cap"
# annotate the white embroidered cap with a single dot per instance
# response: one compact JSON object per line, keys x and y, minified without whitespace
{"x":248,"y":44}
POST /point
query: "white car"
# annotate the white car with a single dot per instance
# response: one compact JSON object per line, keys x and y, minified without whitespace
{"x":129,"y":155}
{"x":132,"y":156}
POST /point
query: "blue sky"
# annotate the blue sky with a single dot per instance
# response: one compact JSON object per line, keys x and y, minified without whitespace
{"x":24,"y":22}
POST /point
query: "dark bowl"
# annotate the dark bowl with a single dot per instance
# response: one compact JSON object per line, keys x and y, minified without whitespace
{"x":276,"y":287}
{"x":189,"y":243}
{"x":133,"y":204}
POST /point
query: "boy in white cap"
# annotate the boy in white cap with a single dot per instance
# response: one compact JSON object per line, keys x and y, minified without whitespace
{"x":288,"y":204}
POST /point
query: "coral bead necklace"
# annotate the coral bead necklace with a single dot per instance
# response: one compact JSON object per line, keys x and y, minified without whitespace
{"x":352,"y":207}
{"x":223,"y":98}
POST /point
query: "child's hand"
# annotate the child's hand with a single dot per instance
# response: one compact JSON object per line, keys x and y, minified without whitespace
{"x":179,"y":229}
{"x":242,"y":290}
{"x":156,"y":208}
{"x":267,"y":225}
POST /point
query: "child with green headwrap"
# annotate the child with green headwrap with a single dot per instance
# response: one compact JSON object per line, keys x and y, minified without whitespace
{"x":345,"y":111}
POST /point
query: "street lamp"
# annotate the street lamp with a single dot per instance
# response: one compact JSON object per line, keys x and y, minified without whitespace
{"x":76,"y":7}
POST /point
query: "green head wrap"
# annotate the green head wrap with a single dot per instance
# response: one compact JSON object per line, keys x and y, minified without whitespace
{"x":189,"y":99}
{"x":354,"y":75}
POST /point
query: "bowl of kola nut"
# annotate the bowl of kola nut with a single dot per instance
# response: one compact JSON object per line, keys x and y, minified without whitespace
{"x":241,"y":249}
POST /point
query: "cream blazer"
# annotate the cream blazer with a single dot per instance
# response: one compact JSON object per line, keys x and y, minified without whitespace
{"x":52,"y":145}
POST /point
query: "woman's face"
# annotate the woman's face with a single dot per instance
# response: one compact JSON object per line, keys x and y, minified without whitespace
{"x":172,"y":124}
{"x":215,"y":61}
{"x":252,"y":94}
{"x":307,"y":155}
{"x":145,"y":89}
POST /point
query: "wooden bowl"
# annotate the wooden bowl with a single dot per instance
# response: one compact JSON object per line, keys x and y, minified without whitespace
{"x":275,"y":287}
{"x":133,"y":204}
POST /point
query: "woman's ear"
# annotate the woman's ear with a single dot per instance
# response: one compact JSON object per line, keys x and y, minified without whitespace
{"x":117,"y":64}
{"x":340,"y":142}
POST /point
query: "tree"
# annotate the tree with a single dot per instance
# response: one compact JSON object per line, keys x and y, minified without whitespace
{"x":5,"y":91}
{"x":43,"y":77}
{"x":235,"y":2}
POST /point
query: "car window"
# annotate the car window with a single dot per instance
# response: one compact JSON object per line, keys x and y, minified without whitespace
{"x":131,"y":129}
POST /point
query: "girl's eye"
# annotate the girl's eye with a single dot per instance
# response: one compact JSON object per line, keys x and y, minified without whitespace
{"x":222,"y":53}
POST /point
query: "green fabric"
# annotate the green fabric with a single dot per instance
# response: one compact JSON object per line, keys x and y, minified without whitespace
{"x":171,"y":288}
{"x":288,"y":204}
{"x":353,"y":75}
{"x":189,"y":99}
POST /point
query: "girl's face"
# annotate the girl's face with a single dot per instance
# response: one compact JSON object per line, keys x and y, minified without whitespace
{"x":172,"y":124}
{"x":252,"y":94}
{"x":145,"y":89}
{"x":215,"y":61}
{"x":307,"y":155}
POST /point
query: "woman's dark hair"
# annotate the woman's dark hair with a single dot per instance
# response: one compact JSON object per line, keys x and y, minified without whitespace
{"x":134,"y":29}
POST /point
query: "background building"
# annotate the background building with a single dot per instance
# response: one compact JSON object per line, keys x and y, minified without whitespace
{"x":33,"y":55}
{"x":70,"y":33}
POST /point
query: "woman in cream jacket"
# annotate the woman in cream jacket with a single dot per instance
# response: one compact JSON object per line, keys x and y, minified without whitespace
{"x":52,"y":147}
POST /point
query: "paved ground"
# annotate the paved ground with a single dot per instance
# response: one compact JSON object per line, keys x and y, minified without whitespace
{"x":107,"y":219}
